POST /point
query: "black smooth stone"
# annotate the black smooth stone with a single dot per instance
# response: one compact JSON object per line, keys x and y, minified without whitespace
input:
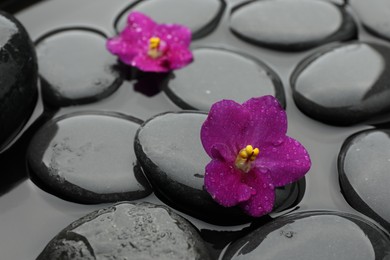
{"x":218,"y":74}
{"x":374,"y":15}
{"x":18,"y":78}
{"x":201,"y":16}
{"x":344,"y":84}
{"x":88,"y":157}
{"x":169,"y":150}
{"x":75,"y":67}
{"x":313,"y":235}
{"x":363,"y":166}
{"x":292,"y":25}
{"x":128,"y":231}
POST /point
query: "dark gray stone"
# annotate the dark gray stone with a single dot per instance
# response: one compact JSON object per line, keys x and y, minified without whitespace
{"x":344,"y":84}
{"x":128,"y":231}
{"x":292,"y":25}
{"x":363,"y":166}
{"x":374,"y":15}
{"x":88,"y":157}
{"x":75,"y":67}
{"x":313,"y":235}
{"x":218,"y":74}
{"x":201,"y":16}
{"x":18,"y":78}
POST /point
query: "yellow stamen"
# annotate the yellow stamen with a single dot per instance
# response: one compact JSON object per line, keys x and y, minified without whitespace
{"x":245,"y":157}
{"x":243,"y":154}
{"x":249,"y":149}
{"x":154,"y":44}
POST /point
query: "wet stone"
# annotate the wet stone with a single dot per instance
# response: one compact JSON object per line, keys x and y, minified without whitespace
{"x":18,"y":78}
{"x":218,"y":74}
{"x":75,"y":67}
{"x":345,"y":84}
{"x":375,"y":16}
{"x":88,"y":157}
{"x":292,"y":25}
{"x":201,"y":16}
{"x":363,"y":164}
{"x":128,"y":231}
{"x":169,"y":149}
{"x":313,"y":235}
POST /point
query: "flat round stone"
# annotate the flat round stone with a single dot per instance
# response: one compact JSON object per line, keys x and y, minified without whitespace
{"x":169,"y":149}
{"x":88,"y":157}
{"x":18,"y":78}
{"x":75,"y":67}
{"x":313,"y":235}
{"x":292,"y":25}
{"x":128,"y":231}
{"x":218,"y":74}
{"x":201,"y":16}
{"x":374,"y":15}
{"x":363,"y":165}
{"x":344,"y":84}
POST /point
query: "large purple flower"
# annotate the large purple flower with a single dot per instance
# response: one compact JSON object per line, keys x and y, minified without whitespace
{"x":251,"y":154}
{"x":150,"y":46}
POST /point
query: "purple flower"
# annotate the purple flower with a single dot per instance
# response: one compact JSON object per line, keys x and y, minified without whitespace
{"x":150,"y":46}
{"x":251,"y":154}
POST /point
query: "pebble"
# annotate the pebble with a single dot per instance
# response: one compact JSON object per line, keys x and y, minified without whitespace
{"x":75,"y":67}
{"x":344,"y":84}
{"x":292,"y":25}
{"x":319,"y":235}
{"x":128,"y":231}
{"x":363,"y":166}
{"x":218,"y":74}
{"x":88,"y":157}
{"x":18,"y":78}
{"x":201,"y":16}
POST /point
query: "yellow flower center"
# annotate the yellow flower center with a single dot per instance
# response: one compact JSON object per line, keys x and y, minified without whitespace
{"x":154,"y":44}
{"x":245,"y":157}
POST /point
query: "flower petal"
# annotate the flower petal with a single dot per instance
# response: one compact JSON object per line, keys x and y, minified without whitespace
{"x":139,"y":30}
{"x":225,"y":124}
{"x":221,"y":152}
{"x":178,"y":38}
{"x":223,"y":182}
{"x":140,"y":23}
{"x":268,"y":120}
{"x":174,"y":34}
{"x":121,"y":48}
{"x":180,"y":57}
{"x":262,"y":202}
{"x":146,"y":63}
{"x":286,"y":162}
{"x":133,"y":40}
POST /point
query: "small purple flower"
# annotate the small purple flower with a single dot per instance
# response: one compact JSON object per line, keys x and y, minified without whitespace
{"x":150,"y":46}
{"x":251,"y":154}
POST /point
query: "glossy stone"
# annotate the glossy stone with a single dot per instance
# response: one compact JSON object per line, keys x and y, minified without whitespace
{"x":218,"y":74}
{"x":75,"y":67}
{"x":201,"y":16}
{"x":345,"y":84}
{"x":292,"y":25}
{"x":18,"y":78}
{"x":169,"y":149}
{"x":128,"y":231}
{"x":375,"y":16}
{"x":313,"y":235}
{"x":363,"y":165}
{"x":88,"y":158}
